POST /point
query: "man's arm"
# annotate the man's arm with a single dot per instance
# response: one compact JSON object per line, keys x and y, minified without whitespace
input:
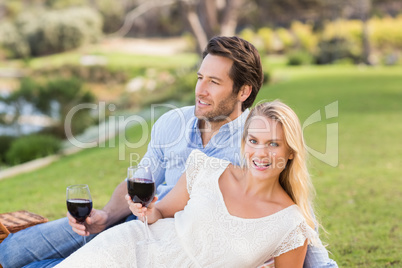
{"x":116,"y":209}
{"x":317,"y":257}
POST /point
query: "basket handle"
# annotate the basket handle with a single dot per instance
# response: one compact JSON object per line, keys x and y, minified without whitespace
{"x":4,"y":228}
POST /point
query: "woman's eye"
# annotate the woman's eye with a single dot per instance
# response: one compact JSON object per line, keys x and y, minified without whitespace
{"x":253,"y":141}
{"x":273,"y":144}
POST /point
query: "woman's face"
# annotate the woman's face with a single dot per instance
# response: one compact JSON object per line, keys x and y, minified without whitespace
{"x":266,"y":151}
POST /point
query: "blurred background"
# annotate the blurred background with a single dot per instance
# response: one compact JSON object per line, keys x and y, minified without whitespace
{"x":123,"y":56}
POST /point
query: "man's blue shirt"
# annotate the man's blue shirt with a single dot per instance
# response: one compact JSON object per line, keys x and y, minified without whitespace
{"x":176,"y":133}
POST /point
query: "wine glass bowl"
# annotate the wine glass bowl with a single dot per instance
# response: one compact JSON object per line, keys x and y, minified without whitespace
{"x":79,"y":202}
{"x":140,"y":185}
{"x":141,"y":188}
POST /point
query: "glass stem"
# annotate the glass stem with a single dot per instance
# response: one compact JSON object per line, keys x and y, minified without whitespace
{"x":146,"y":227}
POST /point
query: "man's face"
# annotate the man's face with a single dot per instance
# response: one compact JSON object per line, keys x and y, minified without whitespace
{"x":214,"y":97}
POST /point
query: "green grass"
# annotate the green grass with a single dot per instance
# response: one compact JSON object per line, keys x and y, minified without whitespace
{"x":358,"y":201}
{"x":116,"y":60}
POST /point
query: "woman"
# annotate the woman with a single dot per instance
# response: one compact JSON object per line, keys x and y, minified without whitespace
{"x":220,"y":215}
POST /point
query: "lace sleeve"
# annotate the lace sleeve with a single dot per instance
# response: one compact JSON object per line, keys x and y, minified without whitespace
{"x":193,"y":167}
{"x":295,"y":239}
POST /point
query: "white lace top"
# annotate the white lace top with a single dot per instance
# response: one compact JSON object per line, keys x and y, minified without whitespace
{"x":204,"y":234}
{"x":210,"y":235}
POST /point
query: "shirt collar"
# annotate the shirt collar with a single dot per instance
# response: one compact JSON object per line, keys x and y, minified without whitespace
{"x":232,"y":125}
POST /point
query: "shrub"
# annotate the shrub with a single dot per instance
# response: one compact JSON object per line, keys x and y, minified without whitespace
{"x":334,"y":50}
{"x":55,"y":31}
{"x":12,"y":42}
{"x":386,"y":33}
{"x":285,"y":38}
{"x":31,"y":147}
{"x":5,"y":143}
{"x":267,"y":37}
{"x":305,"y":36}
{"x":299,"y":57}
{"x":58,"y":97}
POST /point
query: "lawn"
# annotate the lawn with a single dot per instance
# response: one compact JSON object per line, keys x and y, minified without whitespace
{"x":358,"y":193}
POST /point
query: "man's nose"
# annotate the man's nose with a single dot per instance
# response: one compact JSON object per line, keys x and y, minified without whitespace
{"x":201,"y":88}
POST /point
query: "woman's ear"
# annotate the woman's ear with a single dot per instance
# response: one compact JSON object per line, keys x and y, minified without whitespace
{"x":291,"y":155}
{"x":244,"y":92}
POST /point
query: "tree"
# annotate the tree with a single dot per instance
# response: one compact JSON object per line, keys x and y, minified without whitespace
{"x":206,"y":18}
{"x":365,"y":6}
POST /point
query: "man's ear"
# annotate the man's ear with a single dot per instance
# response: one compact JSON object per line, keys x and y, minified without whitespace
{"x":244,"y":92}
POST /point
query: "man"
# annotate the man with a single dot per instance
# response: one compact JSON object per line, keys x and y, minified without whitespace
{"x":229,"y":79}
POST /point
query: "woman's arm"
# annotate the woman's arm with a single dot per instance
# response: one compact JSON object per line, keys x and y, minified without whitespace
{"x":174,"y":201}
{"x":292,"y":258}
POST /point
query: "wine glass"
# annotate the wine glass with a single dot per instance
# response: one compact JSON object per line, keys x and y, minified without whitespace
{"x":141,"y":188}
{"x":79,"y":202}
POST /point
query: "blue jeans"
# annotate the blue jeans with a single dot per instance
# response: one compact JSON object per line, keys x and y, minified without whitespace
{"x":42,"y":245}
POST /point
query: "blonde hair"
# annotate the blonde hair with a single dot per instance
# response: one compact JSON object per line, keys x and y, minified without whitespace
{"x":295,"y":178}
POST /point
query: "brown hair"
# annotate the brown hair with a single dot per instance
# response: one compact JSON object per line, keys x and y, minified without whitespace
{"x":246,"y":68}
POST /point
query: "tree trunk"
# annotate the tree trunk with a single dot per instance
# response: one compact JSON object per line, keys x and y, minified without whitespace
{"x":209,"y":17}
{"x":365,"y":6}
{"x":195,"y":24}
{"x":230,"y":16}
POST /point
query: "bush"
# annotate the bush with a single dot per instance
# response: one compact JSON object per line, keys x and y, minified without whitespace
{"x":334,"y":50}
{"x":60,"y":96}
{"x":31,"y":147}
{"x":49,"y":32}
{"x":305,"y":36}
{"x":5,"y":143}
{"x":90,"y":74}
{"x":286,"y":39}
{"x":12,"y":42}
{"x":299,"y":57}
{"x":386,"y":33}
{"x":267,"y":37}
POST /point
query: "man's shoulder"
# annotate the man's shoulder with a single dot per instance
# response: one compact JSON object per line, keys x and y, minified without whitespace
{"x":177,"y":115}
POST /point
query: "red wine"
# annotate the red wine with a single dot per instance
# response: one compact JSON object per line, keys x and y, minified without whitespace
{"x":141,"y":191}
{"x":79,"y":208}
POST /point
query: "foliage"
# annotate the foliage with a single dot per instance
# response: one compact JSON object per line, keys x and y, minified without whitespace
{"x":285,"y":39}
{"x":12,"y":41}
{"x":32,"y":147}
{"x":5,"y":143}
{"x":267,"y":37}
{"x":386,"y":33}
{"x":332,"y":50}
{"x":60,"y":98}
{"x":112,"y":14}
{"x":40,"y":32}
{"x":299,"y":57}
{"x":305,"y":37}
{"x":91,"y":73}
{"x":16,"y":101}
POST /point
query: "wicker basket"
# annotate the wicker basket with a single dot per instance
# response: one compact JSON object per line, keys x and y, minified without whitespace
{"x":13,"y":222}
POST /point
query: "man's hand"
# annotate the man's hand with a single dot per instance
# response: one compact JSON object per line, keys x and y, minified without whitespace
{"x":95,"y":223}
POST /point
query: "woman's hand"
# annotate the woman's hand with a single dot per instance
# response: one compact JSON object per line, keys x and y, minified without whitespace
{"x":138,"y":210}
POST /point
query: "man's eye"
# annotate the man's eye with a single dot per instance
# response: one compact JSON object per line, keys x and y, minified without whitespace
{"x":216,"y":83}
